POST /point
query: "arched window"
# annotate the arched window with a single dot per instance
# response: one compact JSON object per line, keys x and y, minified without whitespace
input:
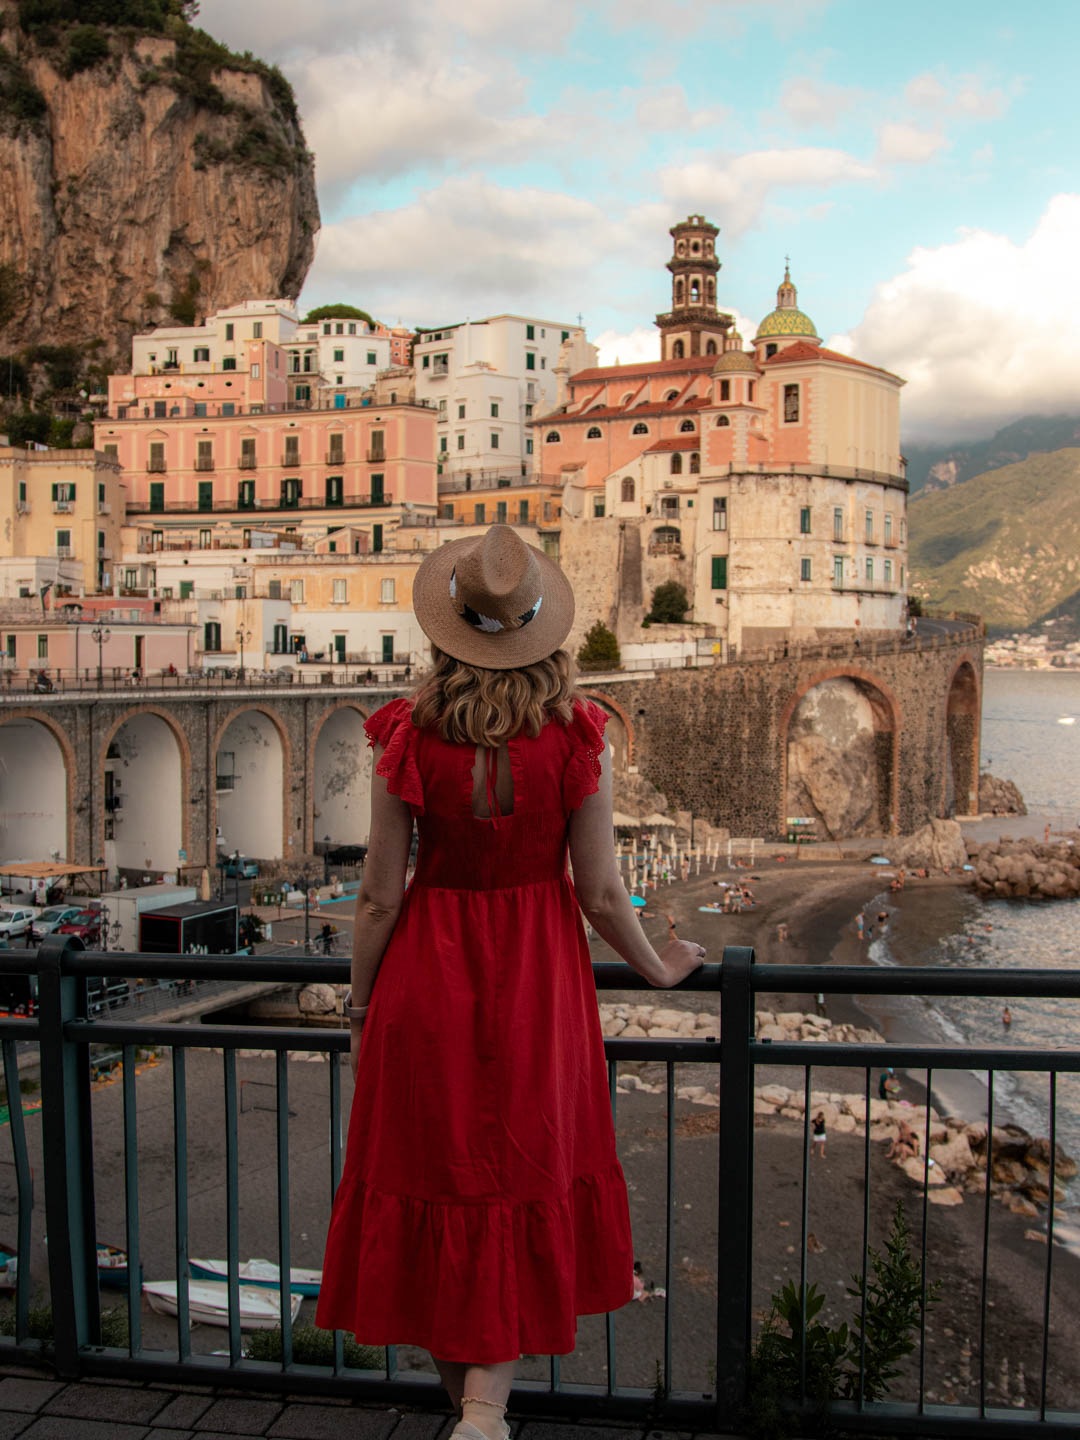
{"x":595,"y":433}
{"x":677,"y":350}
{"x":627,"y":488}
{"x":676,"y":463}
{"x":665,"y":537}
{"x":710,"y":347}
{"x":687,"y":427}
{"x":552,"y":437}
{"x":627,"y":398}
{"x":695,"y":291}
{"x":678,"y":292}
{"x":695,"y":463}
{"x":671,"y":395}
{"x":695,"y":247}
{"x":723,"y":420}
{"x":710,"y":289}
{"x":640,"y":428}
{"x":680,"y":248}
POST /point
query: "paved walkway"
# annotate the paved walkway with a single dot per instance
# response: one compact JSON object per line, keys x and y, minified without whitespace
{"x":34,"y":1408}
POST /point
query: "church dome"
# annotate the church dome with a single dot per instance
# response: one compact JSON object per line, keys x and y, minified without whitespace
{"x":787,"y":318}
{"x":731,"y":360}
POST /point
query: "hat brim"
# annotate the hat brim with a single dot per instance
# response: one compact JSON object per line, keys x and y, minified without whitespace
{"x":503,"y":649}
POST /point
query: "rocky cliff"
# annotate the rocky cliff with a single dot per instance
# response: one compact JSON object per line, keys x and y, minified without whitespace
{"x":144,"y":179}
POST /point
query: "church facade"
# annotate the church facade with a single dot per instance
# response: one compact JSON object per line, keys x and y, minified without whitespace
{"x":766,"y":479}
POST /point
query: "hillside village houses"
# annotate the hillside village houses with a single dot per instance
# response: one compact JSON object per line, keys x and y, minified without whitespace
{"x":263,"y":490}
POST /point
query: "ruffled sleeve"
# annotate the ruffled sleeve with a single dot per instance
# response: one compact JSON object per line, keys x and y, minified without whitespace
{"x":391,"y":727}
{"x":582,"y":774}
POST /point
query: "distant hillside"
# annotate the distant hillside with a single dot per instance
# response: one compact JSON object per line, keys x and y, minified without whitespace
{"x":1005,"y":543}
{"x":935,"y":467}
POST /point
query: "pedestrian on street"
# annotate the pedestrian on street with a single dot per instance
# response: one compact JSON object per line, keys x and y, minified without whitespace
{"x":817,"y":1143}
{"x":478,"y":1144}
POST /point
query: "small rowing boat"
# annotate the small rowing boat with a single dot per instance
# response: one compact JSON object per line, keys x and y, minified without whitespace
{"x":259,"y":1272}
{"x":208,"y":1303}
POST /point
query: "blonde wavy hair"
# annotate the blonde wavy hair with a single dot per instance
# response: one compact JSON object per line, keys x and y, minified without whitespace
{"x":469,"y":705}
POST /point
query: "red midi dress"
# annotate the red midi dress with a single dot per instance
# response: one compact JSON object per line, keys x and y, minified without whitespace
{"x":482,"y":1207}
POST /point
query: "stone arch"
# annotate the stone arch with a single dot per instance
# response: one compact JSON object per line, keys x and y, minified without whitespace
{"x":148,"y":809}
{"x":710,"y":347}
{"x":627,"y":489}
{"x":840,"y":733}
{"x":358,"y":796}
{"x":65,"y":792}
{"x":677,"y":350}
{"x":245,"y":836}
{"x":622,"y":715}
{"x":960,"y":767}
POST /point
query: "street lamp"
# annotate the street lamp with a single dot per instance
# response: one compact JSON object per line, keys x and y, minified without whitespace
{"x":100,"y":634}
{"x":305,"y":883}
{"x":242,"y":637}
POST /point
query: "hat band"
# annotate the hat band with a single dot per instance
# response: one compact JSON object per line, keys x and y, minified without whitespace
{"x":486,"y":623}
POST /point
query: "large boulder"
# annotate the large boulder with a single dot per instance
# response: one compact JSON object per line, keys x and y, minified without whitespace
{"x":999,"y":797}
{"x":939,"y":845}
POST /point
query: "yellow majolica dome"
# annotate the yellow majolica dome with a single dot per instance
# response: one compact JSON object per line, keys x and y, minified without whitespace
{"x":734,"y":360}
{"x":786,"y":322}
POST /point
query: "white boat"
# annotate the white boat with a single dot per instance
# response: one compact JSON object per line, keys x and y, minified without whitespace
{"x":208,"y":1303}
{"x":259,"y":1272}
{"x":1066,"y":719}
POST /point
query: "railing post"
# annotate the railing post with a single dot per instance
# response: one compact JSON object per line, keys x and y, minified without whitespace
{"x":68,"y":1160}
{"x":734,"y":1235}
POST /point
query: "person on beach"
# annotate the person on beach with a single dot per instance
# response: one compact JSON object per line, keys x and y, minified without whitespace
{"x":905,"y":1145}
{"x":482,"y":1207}
{"x":860,"y":924}
{"x":1006,"y":1017}
{"x":818,"y":1136}
{"x":888,"y":1085}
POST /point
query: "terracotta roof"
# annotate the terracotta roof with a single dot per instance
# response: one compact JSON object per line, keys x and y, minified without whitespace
{"x":680,"y":442}
{"x":617,"y":412}
{"x":801,"y":351}
{"x":649,"y":367}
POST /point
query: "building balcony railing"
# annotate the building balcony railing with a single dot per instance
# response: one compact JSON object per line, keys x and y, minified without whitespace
{"x":22,"y":507}
{"x":204,"y":463}
{"x":63,"y":507}
{"x":67,"y":1018}
{"x":246,"y":462}
{"x":104,"y":508}
{"x":155,"y":467}
{"x":456,"y":483}
{"x":376,"y":457}
{"x":335,"y":457}
{"x":64,"y":552}
{"x":291,"y":460}
{"x":238,"y":506}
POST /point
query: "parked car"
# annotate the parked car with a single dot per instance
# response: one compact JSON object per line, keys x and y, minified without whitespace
{"x":15,"y":921}
{"x":247,"y":868}
{"x":51,"y":919}
{"x":86,"y":924}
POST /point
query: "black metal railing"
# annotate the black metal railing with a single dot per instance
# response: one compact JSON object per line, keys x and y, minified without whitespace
{"x":61,"y":1162}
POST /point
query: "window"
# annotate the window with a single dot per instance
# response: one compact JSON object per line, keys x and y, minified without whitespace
{"x":206,"y":540}
{"x":292,"y":450}
{"x":296,"y":591}
{"x":256,"y":330}
{"x":303,"y":392}
{"x":388,"y":649}
{"x":64,"y":493}
{"x":695,"y":462}
{"x":160,"y":409}
{"x":274,"y":589}
{"x":229,"y":329}
{"x":229,"y":362}
{"x":838,"y":572}
{"x":309,"y":361}
{"x":901,"y":577}
{"x":530,"y":360}
{"x":640,"y":428}
{"x":63,"y":542}
{"x":294,"y":362}
{"x":597,"y":508}
{"x":339,"y":357}
{"x":281,"y":639}
{"x":791,"y":404}
{"x":378,"y":495}
{"x":723,"y":420}
{"x":334,"y":490}
{"x":341,"y":592}
{"x":566,"y":334}
{"x":339,"y":328}
{"x":291,"y":491}
{"x":552,"y":438}
{"x":131,"y":579}
{"x":903,"y":533}
{"x":326,"y":327}
{"x":838,"y":524}
{"x":212,"y":635}
{"x":676,"y":464}
{"x":372,"y":357}
{"x":201,"y":353}
{"x":719,"y":572}
{"x":804,"y":520}
{"x":719,"y":513}
{"x":494,"y":440}
{"x":627,"y":490}
{"x":376,"y":538}
{"x":388,"y":592}
{"x":157,"y":496}
{"x":245,"y":495}
{"x":528,"y":412}
{"x":869,"y":527}
{"x":888,"y":572}
{"x":888,"y":529}
{"x":725,"y":391}
{"x":869,"y":567}
{"x":686,"y":428}
{"x":805,"y":568}
{"x":530,"y":332}
{"x":479,"y":514}
{"x":543,"y":362}
{"x":460,"y":442}
{"x":750,"y":391}
{"x":523,"y":511}
{"x":594,"y":433}
{"x":529,"y":446}
{"x":426,"y":362}
{"x":500,"y":512}
{"x":494,"y":409}
{"x":677,"y":350}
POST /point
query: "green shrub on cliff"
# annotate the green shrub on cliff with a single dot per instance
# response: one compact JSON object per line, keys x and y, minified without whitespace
{"x":21,"y":102}
{"x":669,"y":604}
{"x":152,"y":15}
{"x":600,"y":650}
{"x":87,"y":47}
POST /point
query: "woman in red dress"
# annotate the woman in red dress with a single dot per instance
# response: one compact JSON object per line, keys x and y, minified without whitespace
{"x":482,"y":1207}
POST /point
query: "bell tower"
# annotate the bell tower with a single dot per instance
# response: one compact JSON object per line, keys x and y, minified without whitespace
{"x":693,"y":325}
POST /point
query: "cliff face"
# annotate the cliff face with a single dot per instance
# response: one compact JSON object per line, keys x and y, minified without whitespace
{"x":128,"y":202}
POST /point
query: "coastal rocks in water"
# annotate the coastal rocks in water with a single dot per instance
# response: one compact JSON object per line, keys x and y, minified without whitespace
{"x":316,"y":999}
{"x":939,"y":845}
{"x":999,"y":797}
{"x":1030,"y":869}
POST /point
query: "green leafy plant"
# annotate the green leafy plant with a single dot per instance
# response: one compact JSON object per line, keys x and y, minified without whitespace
{"x":311,"y":1346}
{"x":338,"y":311}
{"x":893,"y":1291}
{"x":600,"y":650}
{"x":669,"y":604}
{"x":21,"y":102}
{"x":114,"y":1324}
{"x":87,"y":46}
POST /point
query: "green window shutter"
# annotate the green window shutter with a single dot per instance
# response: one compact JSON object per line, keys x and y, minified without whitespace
{"x":187,"y":589}
{"x":719,"y":572}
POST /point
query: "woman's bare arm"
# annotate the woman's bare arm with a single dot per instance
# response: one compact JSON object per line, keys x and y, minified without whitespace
{"x":603,"y":897}
{"x":378,"y":904}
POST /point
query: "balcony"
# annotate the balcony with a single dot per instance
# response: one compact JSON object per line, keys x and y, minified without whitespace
{"x":63,"y":507}
{"x":22,"y":507}
{"x":156,"y":466}
{"x":246,"y":462}
{"x":259,"y":504}
{"x":104,"y":552}
{"x":63,"y":552}
{"x":291,"y":459}
{"x":104,"y":508}
{"x":376,"y":457}
{"x":204,"y":463}
{"x":335,"y":457}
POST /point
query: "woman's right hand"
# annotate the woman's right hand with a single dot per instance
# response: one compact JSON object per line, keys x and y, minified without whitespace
{"x":679,"y":958}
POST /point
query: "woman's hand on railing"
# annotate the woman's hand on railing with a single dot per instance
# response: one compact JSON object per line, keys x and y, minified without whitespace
{"x":679,"y":959}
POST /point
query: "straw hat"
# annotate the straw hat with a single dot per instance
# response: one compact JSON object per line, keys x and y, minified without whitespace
{"x":493,"y":601}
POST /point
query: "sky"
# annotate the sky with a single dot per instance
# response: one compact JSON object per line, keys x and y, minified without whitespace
{"x":918,"y":163}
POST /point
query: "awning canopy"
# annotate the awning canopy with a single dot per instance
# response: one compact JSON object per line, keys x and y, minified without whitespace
{"x":46,"y":870}
{"x":657,"y":819}
{"x":623,"y":821}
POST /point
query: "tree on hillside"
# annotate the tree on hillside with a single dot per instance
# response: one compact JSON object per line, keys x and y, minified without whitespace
{"x":600,"y":650}
{"x":669,"y":604}
{"x":338,"y":311}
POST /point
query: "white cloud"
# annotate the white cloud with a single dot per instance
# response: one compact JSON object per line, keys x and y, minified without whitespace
{"x":809,"y":103}
{"x":908,"y":144}
{"x":643,"y":342}
{"x":978,"y":328}
{"x":669,"y":109}
{"x":738,"y":187}
{"x":964,"y":95}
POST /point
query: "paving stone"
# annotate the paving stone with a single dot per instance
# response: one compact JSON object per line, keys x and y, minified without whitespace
{"x":239,"y":1417}
{"x":106,"y":1402}
{"x":555,"y":1430}
{"x":61,"y":1427}
{"x":13,"y":1424}
{"x":317,"y":1400}
{"x":182,"y":1389}
{"x":423,"y":1427}
{"x":182,"y":1411}
{"x":172,"y":1435}
{"x":17,"y":1393}
{"x":330,"y":1422}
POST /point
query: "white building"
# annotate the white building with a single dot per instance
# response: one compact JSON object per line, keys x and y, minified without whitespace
{"x":334,"y":356}
{"x":487,"y":379}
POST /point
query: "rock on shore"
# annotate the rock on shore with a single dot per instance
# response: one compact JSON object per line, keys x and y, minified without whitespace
{"x":999,"y":797}
{"x":1029,"y":869}
{"x":939,"y":845}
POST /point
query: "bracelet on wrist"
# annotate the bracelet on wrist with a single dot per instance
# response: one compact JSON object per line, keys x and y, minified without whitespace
{"x":354,"y":1012}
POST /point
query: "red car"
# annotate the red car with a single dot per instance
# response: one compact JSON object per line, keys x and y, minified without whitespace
{"x":87,"y":926}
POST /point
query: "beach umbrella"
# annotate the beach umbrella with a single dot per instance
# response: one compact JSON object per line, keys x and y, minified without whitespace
{"x":623,"y":821}
{"x":657,"y":819}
